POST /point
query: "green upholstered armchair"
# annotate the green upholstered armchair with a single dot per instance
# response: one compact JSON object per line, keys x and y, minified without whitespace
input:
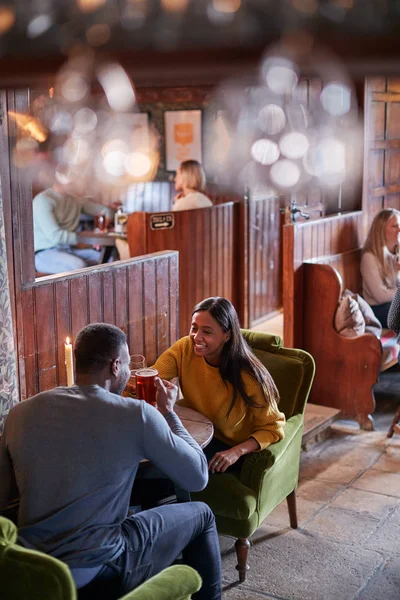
{"x":241,"y":501}
{"x":31,"y":575}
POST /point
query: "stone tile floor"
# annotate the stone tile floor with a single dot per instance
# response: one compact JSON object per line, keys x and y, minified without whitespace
{"x":347,"y":546}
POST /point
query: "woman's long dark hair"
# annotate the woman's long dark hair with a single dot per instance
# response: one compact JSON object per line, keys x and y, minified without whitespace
{"x":236,"y":355}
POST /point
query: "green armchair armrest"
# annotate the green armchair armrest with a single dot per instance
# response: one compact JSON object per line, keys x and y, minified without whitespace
{"x":178,"y":582}
{"x":256,"y":465}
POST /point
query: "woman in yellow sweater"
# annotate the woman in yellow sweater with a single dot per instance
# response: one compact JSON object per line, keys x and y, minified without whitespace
{"x":222,"y":379}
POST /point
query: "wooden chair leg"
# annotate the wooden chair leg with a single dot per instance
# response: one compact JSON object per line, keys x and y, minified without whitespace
{"x":291,"y":502}
{"x":242,"y":546}
{"x":366,"y":422}
{"x":394,"y":422}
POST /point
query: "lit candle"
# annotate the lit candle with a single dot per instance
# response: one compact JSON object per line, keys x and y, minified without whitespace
{"x":69,"y":363}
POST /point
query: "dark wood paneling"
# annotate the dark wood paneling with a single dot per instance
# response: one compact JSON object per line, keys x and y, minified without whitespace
{"x":208,"y":252}
{"x":381,"y":187}
{"x":309,"y":241}
{"x":55,"y":308}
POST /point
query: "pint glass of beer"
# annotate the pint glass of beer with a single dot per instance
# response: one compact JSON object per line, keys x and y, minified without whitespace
{"x":145,"y":388}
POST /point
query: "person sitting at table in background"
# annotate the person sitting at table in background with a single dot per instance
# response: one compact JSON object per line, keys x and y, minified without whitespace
{"x":380,"y":266}
{"x":222,"y":379}
{"x":190,"y":183}
{"x":56,"y":214}
{"x":71,"y":454}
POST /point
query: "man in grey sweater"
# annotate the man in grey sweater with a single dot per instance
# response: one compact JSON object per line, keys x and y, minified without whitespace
{"x":71,"y":455}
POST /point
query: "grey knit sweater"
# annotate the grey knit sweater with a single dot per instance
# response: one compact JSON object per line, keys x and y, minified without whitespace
{"x":72,"y":454}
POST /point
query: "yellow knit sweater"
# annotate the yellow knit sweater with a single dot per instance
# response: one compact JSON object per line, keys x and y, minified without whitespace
{"x":205,"y":391}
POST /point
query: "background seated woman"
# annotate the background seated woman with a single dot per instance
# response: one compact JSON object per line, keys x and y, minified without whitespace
{"x":222,"y":379}
{"x":380,"y":262}
{"x":190,"y":183}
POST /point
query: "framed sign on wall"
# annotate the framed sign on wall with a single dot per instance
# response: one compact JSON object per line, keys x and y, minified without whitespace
{"x":182,"y":137}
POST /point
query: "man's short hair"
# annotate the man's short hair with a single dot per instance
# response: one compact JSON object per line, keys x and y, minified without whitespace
{"x":96,"y":345}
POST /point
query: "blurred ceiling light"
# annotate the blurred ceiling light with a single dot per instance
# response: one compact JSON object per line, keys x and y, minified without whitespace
{"x":85,"y":120}
{"x":98,"y":35}
{"x":174,"y":5}
{"x":114,"y":146}
{"x":51,"y":92}
{"x":7,"y":18}
{"x":285,"y":173}
{"x":306,"y":6}
{"x":336,"y":99}
{"x":281,"y":78}
{"x":114,"y":163}
{"x":272,"y":119}
{"x":265,"y":151}
{"x":226,"y":6}
{"x":117,"y":87}
{"x":38,"y":26}
{"x":90,"y":5}
{"x":294,"y":145}
{"x":29,"y":125}
{"x":74,"y":87}
{"x":137,"y":164}
{"x":327,"y":161}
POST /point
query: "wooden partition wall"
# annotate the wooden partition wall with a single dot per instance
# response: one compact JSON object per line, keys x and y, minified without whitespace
{"x":306,"y":241}
{"x":139,"y":296}
{"x":211,"y":253}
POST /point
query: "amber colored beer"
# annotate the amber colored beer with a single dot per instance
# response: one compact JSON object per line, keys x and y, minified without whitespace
{"x":130,"y":390}
{"x":145,"y":388}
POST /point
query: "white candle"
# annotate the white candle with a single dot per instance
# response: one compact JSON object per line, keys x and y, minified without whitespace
{"x":69,"y":363}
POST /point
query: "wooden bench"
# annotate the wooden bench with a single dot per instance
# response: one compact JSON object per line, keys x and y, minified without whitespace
{"x":346,"y":368}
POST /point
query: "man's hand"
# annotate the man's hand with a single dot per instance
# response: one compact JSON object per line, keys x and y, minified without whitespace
{"x":166,"y":395}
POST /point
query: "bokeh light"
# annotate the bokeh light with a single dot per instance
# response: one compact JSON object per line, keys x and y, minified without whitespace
{"x":283,"y":133}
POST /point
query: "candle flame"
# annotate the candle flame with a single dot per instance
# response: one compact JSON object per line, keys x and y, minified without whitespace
{"x":67,"y":341}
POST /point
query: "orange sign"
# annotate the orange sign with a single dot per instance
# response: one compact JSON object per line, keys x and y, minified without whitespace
{"x":183,"y":133}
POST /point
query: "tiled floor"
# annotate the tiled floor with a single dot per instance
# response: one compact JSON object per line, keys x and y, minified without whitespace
{"x":347,"y":546}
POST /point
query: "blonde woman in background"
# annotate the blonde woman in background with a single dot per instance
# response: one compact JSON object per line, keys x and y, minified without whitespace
{"x":380,"y":264}
{"x":190,"y":182}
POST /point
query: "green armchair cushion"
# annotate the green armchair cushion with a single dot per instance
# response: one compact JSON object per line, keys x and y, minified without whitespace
{"x":29,"y":574}
{"x":178,"y":582}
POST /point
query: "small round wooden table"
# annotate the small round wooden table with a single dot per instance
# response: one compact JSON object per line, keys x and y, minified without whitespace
{"x":200,"y":428}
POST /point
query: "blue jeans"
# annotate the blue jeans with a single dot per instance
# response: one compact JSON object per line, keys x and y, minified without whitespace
{"x":65,"y":258}
{"x":154,"y":539}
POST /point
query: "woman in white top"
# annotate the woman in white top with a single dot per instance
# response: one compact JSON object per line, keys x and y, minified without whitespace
{"x":380,"y":263}
{"x":190,"y":182}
